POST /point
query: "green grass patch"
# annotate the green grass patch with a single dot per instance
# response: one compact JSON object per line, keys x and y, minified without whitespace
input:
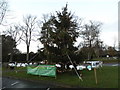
{"x":107,"y":77}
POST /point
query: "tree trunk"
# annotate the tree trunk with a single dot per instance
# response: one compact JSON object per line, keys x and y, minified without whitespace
{"x":88,"y":55}
{"x":89,"y":50}
{"x":11,"y":57}
{"x":12,"y":51}
{"x":27,"y":57}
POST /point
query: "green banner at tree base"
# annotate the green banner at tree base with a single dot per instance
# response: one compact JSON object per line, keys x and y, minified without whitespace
{"x":42,"y":70}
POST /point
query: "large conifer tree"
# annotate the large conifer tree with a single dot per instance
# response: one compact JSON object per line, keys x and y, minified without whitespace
{"x":59,"y":33}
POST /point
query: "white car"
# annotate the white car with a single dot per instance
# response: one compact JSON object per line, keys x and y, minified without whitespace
{"x":57,"y":65}
{"x":11,"y":64}
{"x":81,"y":67}
{"x":94,"y":64}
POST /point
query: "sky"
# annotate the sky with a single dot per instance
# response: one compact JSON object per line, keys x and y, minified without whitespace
{"x":104,"y":11}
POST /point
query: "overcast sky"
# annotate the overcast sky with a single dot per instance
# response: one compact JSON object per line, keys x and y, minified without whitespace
{"x":105,"y":11}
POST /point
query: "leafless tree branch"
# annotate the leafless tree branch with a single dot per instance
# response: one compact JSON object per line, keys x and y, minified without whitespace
{"x":28,"y":31}
{"x":3,"y":10}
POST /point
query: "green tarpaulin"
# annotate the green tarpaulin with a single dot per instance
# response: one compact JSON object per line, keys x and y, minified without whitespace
{"x":42,"y":70}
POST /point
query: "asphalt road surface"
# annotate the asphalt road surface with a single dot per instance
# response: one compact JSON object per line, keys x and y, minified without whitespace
{"x":15,"y":83}
{"x":111,"y":64}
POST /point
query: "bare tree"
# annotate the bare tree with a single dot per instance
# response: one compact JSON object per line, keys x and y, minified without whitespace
{"x":119,"y":45}
{"x":114,"y":43}
{"x":3,"y":10}
{"x":28,"y":29}
{"x":111,"y":51}
{"x":90,"y":35}
{"x":16,"y":34}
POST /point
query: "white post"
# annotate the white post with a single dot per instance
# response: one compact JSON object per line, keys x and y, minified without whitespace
{"x":95,"y":75}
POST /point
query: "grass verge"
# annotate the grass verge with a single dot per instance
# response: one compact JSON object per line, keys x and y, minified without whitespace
{"x":107,"y":77}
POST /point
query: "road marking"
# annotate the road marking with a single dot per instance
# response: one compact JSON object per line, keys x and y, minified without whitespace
{"x":48,"y":88}
{"x":11,"y":85}
{"x":14,"y":83}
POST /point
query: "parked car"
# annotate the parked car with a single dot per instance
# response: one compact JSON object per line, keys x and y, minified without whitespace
{"x":81,"y":67}
{"x":94,"y":64}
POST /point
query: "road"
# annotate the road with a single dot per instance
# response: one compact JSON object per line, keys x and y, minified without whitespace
{"x":111,"y":64}
{"x":15,"y":83}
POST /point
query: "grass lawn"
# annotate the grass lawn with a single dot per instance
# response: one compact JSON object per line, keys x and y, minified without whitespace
{"x":107,"y":77}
